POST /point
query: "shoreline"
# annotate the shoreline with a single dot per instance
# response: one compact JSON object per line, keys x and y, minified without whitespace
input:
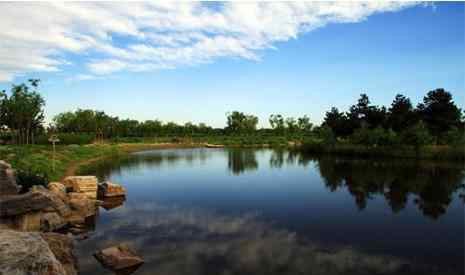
{"x":126,"y":148}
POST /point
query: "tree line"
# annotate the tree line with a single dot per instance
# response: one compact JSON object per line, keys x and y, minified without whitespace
{"x":436,"y":120}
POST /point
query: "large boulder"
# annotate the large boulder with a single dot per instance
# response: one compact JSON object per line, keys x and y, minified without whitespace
{"x":39,"y":209}
{"x":8,"y":184}
{"x":27,"y":253}
{"x":120,"y":259}
{"x":62,"y":247}
{"x":57,"y":203}
{"x":108,"y":189}
{"x":24,"y":203}
{"x":82,"y":184}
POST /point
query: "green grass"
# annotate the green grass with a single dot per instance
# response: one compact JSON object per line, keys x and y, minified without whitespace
{"x":38,"y":159}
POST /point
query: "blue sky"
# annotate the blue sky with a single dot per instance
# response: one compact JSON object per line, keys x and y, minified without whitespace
{"x":303,"y":68}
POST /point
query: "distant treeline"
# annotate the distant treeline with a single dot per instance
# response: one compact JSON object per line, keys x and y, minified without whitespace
{"x":437,"y":120}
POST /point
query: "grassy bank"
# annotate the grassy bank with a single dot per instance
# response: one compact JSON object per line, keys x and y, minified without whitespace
{"x":433,"y":152}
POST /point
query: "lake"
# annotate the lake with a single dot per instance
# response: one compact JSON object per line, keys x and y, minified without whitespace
{"x":263,"y":211}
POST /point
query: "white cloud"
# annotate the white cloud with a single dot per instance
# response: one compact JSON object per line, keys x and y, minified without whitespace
{"x":112,"y":37}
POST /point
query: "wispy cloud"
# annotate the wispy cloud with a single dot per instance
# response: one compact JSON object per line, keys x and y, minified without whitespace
{"x":111,"y":37}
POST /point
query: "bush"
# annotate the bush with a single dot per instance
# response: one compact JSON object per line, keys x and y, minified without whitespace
{"x":374,"y":137}
{"x":417,"y":136}
{"x":27,"y":179}
{"x":327,"y":136}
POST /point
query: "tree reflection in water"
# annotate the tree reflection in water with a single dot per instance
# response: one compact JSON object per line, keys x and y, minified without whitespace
{"x":432,"y":184}
{"x":242,"y":160}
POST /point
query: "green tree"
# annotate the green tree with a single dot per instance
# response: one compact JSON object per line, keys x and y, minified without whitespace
{"x":238,"y":122}
{"x":304,"y":124}
{"x":277,"y":123}
{"x":401,"y":114}
{"x":23,"y":111}
{"x":337,"y":121}
{"x":439,"y":112}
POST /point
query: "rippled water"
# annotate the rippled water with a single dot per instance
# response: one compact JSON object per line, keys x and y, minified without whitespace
{"x":244,"y":211}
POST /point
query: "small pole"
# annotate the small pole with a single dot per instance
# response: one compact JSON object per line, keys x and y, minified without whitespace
{"x":53,"y":139}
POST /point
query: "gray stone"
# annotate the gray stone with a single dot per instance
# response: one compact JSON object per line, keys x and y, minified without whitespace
{"x":27,"y":253}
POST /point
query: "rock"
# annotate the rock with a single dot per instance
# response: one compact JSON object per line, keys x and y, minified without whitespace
{"x":51,"y":222}
{"x":59,"y":190}
{"x":27,"y":253}
{"x":82,"y":184}
{"x":23,"y":204}
{"x":81,"y":205}
{"x":108,"y":189}
{"x":62,"y":247}
{"x":120,"y":259}
{"x":57,"y":204}
{"x":8,"y":184}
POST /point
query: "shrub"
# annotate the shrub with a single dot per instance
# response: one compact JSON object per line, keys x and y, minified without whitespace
{"x":327,"y":135}
{"x":418,"y":135}
{"x":27,"y":179}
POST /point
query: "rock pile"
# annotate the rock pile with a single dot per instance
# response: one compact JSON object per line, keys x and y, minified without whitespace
{"x":72,"y":206}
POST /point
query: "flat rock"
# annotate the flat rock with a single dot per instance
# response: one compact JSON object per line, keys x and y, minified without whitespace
{"x":108,"y":189}
{"x":27,"y":253}
{"x":120,"y":258}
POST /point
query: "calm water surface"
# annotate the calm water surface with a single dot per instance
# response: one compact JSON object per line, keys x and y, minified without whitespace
{"x":244,"y":211}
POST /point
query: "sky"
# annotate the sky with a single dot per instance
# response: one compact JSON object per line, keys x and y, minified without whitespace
{"x":195,"y":61}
